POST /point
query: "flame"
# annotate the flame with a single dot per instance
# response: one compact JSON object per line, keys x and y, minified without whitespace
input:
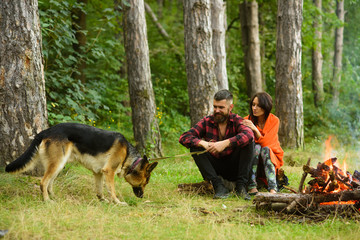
{"x":329,"y":176}
{"x":328,"y":148}
{"x":339,"y":202}
{"x":344,"y":164}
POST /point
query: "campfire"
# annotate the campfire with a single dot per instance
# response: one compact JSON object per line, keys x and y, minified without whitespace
{"x":331,"y":188}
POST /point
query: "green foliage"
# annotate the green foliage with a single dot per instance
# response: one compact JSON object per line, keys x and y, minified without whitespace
{"x":100,"y":97}
{"x":327,"y":120}
{"x":103,"y":99}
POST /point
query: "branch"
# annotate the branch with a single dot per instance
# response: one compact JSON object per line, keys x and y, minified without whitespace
{"x":156,"y":22}
{"x":231,"y":23}
{"x":304,"y":176}
{"x":162,"y":31}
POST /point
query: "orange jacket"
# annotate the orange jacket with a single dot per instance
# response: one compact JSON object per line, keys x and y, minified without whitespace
{"x":270,"y":139}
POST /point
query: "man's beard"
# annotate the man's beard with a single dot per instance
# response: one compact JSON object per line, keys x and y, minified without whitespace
{"x":220,"y":117}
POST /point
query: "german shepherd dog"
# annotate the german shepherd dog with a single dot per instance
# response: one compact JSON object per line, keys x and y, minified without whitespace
{"x":103,"y":152}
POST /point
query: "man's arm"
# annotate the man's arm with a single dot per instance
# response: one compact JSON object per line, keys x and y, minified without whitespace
{"x":192,"y":138}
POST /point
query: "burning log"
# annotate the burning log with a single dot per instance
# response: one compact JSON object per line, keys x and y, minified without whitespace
{"x":304,"y":176}
{"x":328,"y":177}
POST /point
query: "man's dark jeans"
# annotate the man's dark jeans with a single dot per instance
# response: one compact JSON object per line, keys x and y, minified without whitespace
{"x":235,"y":167}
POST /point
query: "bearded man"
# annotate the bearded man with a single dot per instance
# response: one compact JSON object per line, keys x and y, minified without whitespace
{"x":229,"y":146}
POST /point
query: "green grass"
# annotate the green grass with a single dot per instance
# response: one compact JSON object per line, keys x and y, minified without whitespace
{"x":163,"y":213}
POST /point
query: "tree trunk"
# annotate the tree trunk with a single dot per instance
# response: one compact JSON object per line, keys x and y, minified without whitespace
{"x":142,"y":99}
{"x":339,"y":35}
{"x":289,"y":101}
{"x":262,"y":47}
{"x":251,"y":45}
{"x":317,"y":58}
{"x":79,"y":25}
{"x":218,"y":24}
{"x":199,"y":58}
{"x":23,"y":111}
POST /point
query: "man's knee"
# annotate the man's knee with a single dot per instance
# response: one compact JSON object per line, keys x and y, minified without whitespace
{"x":196,"y":149}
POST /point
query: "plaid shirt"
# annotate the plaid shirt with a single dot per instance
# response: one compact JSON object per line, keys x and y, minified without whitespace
{"x":208,"y":130}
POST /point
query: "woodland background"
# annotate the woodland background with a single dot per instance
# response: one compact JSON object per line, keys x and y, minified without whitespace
{"x":103,"y":99}
{"x":86,"y":75}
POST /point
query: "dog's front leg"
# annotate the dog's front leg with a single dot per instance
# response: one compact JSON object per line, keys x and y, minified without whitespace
{"x":99,"y":186}
{"x":110,"y":182}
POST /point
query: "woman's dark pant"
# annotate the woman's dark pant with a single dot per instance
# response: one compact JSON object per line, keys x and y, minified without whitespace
{"x":235,"y":167}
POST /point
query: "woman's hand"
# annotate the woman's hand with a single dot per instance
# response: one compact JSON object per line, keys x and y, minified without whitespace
{"x":251,"y":125}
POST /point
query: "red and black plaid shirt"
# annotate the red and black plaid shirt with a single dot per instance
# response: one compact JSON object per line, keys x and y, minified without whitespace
{"x":207,"y":129}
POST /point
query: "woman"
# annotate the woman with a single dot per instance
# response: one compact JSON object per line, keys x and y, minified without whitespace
{"x":265,"y":126}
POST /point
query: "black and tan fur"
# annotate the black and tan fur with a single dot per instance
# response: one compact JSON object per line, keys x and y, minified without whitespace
{"x":103,"y":152}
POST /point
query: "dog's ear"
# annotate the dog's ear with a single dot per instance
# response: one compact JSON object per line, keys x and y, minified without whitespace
{"x":145,"y":158}
{"x":151,"y":167}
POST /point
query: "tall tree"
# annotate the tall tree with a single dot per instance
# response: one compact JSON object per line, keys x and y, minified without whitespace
{"x":249,"y":20}
{"x":79,"y":25}
{"x":23,"y":111}
{"x":142,"y":99}
{"x":339,"y":36}
{"x":199,"y":58}
{"x":317,"y":58}
{"x":289,"y":100}
{"x":218,"y":24}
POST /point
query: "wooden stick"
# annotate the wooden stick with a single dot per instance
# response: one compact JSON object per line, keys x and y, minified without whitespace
{"x":290,"y":189}
{"x":304,"y":177}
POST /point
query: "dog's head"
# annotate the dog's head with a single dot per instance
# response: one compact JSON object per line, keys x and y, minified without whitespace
{"x":139,"y":176}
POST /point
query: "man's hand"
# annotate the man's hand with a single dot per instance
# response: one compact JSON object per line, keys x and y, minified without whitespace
{"x":217,"y":147}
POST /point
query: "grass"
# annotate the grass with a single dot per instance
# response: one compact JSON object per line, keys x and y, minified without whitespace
{"x":163,"y":213}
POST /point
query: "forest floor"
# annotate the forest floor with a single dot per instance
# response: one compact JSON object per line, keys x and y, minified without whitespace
{"x":163,"y":213}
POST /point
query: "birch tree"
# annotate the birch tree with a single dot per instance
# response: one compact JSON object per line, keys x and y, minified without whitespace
{"x":339,"y":40}
{"x":23,"y":111}
{"x":317,"y":58}
{"x":199,"y":58}
{"x":289,"y":100}
{"x":142,"y":99}
{"x":251,"y":46}
{"x":218,"y":24}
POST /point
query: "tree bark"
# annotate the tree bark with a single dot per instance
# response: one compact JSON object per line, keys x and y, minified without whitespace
{"x":251,"y":45}
{"x":339,"y":36}
{"x":79,"y":25}
{"x":199,"y":59}
{"x":262,"y":46}
{"x":289,"y":101}
{"x":317,"y":58}
{"x":142,"y":99}
{"x":23,"y":111}
{"x":218,"y":24}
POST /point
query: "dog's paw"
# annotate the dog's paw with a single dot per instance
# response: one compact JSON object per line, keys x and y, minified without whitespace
{"x":122,"y":204}
{"x":118,"y":202}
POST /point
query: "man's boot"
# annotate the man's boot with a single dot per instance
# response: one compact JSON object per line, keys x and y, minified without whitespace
{"x":221,"y":191}
{"x":241,"y":192}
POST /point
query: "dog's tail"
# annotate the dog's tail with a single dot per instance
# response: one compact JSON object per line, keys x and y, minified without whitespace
{"x":26,"y":160}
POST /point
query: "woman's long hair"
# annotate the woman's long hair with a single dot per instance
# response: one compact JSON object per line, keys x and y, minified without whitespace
{"x":265,"y":102}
